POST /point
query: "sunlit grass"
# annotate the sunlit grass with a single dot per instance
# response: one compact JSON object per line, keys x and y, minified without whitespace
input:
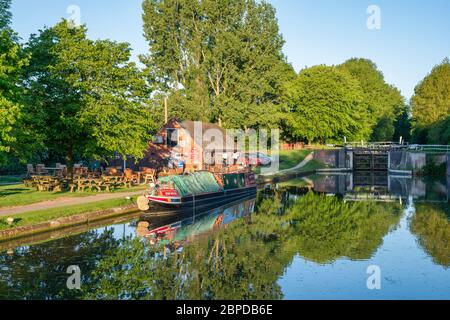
{"x":291,"y":158}
{"x":288,"y":159}
{"x":35,"y":217}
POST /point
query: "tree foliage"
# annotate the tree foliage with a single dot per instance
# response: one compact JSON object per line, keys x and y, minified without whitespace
{"x":326,"y":105}
{"x":84,"y":97}
{"x":5,"y":14}
{"x":440,"y":132}
{"x":402,"y":125}
{"x":384,"y":130}
{"x":431,"y":103}
{"x":12,"y":62}
{"x":384,"y":102}
{"x":218,"y":60}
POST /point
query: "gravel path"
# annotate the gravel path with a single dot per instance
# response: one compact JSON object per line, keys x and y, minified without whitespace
{"x":62,"y":202}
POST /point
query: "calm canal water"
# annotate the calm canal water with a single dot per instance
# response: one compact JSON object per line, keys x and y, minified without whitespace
{"x":319,"y":237}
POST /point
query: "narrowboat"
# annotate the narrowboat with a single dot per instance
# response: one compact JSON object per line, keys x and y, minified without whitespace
{"x":197,"y":189}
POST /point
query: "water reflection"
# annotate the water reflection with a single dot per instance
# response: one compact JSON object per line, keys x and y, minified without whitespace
{"x":39,"y":271}
{"x":175,"y":230}
{"x":372,"y":186}
{"x":431,"y":224}
{"x":306,"y":238}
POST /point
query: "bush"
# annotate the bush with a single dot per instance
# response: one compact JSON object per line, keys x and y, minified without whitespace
{"x":432,"y":169}
{"x":12,"y":166}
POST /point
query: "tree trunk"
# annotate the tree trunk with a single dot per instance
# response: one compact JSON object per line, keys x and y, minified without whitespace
{"x":69,"y":161}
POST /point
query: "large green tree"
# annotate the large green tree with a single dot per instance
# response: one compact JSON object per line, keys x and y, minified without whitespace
{"x":326,"y":104}
{"x":85,"y":98}
{"x":12,"y":62}
{"x":217,"y":60}
{"x":384,"y":102}
{"x":431,"y":103}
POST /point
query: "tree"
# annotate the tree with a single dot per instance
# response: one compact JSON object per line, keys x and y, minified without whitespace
{"x":431,"y":101}
{"x":12,"y":62}
{"x":326,"y":105}
{"x":84,"y":97}
{"x":402,"y":125}
{"x":384,"y":102}
{"x":5,"y":14}
{"x":218,"y":60}
{"x":384,"y":130}
{"x":440,"y":132}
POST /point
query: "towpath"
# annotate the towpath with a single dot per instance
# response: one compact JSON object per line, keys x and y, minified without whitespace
{"x":65,"y":201}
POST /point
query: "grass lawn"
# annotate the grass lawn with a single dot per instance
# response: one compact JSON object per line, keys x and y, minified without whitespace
{"x":19,"y":195}
{"x":291,"y":158}
{"x":288,"y":159}
{"x":35,"y":217}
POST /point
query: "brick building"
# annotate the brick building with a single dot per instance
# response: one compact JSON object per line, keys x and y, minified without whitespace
{"x":196,"y":144}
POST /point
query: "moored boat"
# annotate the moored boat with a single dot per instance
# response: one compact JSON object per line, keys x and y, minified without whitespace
{"x":198,"y":189}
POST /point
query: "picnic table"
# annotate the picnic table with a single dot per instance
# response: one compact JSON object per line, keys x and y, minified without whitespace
{"x":89,"y":180}
{"x":138,"y":177}
{"x":49,"y":183}
{"x":90,"y":183}
{"x":146,"y":177}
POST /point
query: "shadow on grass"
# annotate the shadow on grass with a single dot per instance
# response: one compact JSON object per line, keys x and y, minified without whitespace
{"x":9,"y":192}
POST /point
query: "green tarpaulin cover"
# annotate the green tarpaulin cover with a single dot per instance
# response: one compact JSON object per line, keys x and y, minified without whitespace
{"x":204,"y":225}
{"x":193,"y":183}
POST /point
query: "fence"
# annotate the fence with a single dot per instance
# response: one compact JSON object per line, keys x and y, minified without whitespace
{"x":429,"y":148}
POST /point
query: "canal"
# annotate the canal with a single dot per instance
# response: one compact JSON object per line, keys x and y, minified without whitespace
{"x":318,"y":237}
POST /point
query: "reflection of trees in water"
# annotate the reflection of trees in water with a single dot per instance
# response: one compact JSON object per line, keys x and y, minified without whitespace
{"x":245,"y":259}
{"x":241,"y":261}
{"x":431,"y":224}
{"x":39,"y":271}
{"x":327,"y":228}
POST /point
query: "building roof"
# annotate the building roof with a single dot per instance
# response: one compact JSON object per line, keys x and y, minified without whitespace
{"x":211,"y":129}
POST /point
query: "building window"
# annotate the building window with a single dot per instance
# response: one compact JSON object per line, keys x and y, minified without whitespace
{"x":159,"y":140}
{"x":172,"y":137}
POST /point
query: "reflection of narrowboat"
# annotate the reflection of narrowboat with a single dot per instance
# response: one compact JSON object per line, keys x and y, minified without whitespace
{"x":198,"y":189}
{"x":165,"y":232}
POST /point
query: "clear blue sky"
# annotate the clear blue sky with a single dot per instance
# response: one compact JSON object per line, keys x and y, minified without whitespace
{"x":414,"y":35}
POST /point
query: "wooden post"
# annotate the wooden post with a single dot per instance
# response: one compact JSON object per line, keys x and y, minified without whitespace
{"x":166,"y":116}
